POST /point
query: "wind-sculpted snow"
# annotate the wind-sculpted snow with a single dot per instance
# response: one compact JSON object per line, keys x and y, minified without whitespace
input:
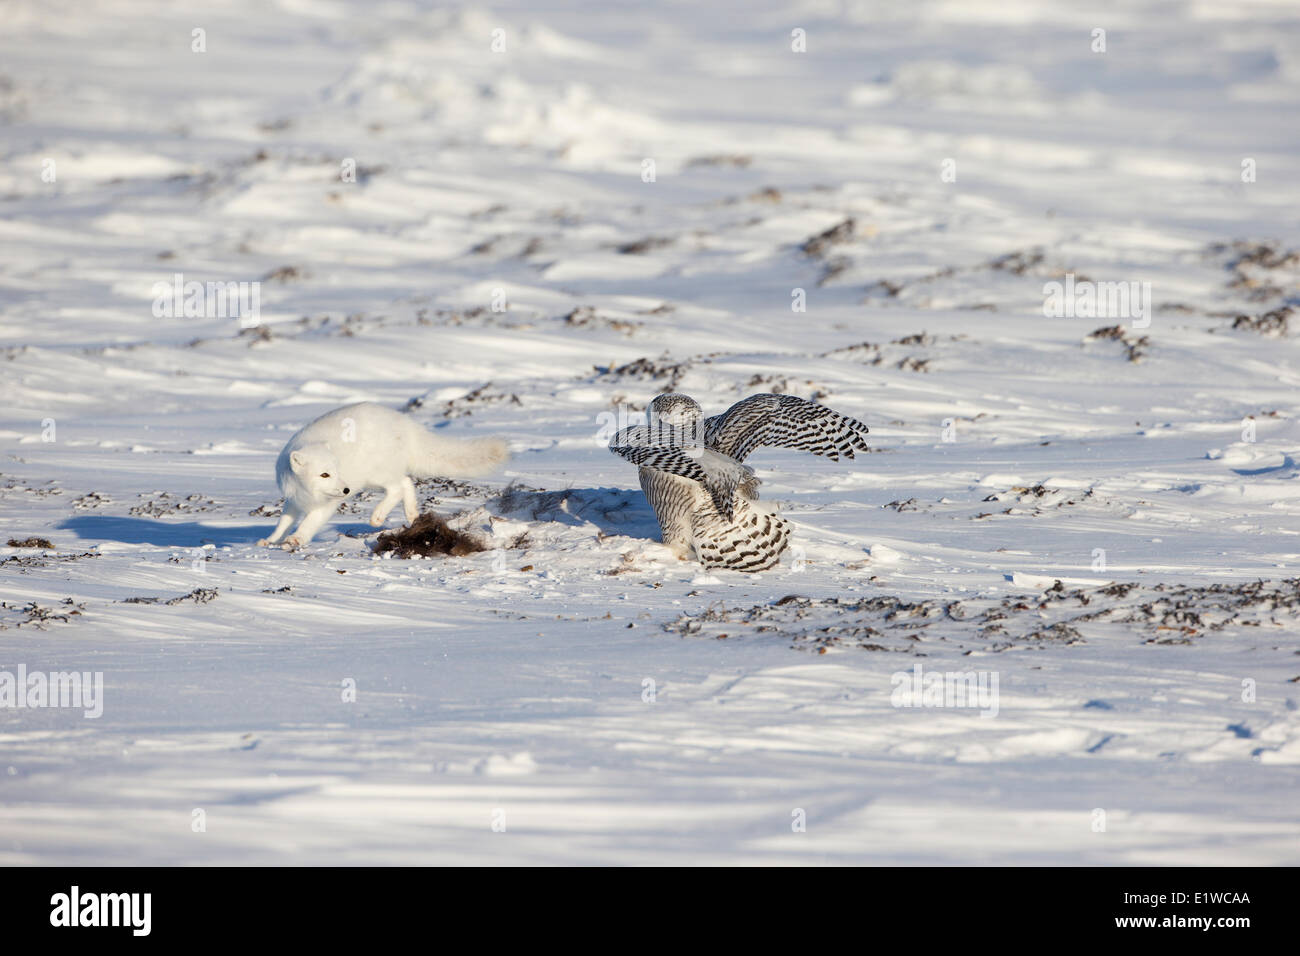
{"x":1057,"y":283}
{"x":1157,"y":614}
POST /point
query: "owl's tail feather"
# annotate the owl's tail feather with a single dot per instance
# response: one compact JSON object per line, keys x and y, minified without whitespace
{"x":753,"y":541}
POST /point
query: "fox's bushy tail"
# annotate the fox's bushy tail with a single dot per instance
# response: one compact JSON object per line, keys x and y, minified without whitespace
{"x":442,"y":457}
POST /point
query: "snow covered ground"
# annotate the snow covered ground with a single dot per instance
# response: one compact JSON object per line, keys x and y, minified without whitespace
{"x":575,"y":695}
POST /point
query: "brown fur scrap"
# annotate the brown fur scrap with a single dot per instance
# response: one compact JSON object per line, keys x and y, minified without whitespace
{"x":427,"y":536}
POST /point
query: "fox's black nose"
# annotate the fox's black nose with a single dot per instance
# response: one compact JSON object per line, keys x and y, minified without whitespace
{"x":347,"y":491}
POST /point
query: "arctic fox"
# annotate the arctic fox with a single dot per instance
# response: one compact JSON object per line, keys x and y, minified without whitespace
{"x":368,"y":446}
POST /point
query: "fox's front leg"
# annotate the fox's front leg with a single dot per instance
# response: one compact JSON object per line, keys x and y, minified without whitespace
{"x":392,"y":495}
{"x":286,"y":519}
{"x":311,"y":524}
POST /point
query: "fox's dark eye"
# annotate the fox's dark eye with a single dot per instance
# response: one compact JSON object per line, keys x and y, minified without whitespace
{"x":324,"y":474}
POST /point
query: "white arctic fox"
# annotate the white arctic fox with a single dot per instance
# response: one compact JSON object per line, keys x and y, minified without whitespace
{"x":368,"y":446}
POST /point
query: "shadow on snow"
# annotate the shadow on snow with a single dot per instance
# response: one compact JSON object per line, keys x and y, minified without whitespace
{"x":178,"y":534}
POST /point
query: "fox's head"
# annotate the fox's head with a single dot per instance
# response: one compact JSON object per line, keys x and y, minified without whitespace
{"x":317,"y":468}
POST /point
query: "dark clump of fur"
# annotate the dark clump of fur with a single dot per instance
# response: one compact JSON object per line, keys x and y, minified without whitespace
{"x":30,"y":543}
{"x":426,"y":536}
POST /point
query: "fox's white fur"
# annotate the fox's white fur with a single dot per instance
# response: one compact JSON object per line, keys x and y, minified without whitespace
{"x":368,"y":446}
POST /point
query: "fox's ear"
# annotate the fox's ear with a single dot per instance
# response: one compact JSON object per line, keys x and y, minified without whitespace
{"x":297,"y":459}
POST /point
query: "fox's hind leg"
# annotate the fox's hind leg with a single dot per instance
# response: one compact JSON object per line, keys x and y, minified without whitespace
{"x":392,"y":495}
{"x":410,"y":503}
{"x":286,"y":518}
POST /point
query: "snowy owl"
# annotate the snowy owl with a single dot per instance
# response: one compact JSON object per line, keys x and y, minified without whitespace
{"x":693,"y":475}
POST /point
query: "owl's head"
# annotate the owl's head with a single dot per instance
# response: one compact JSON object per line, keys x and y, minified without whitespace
{"x":677,"y":421}
{"x":676,"y":410}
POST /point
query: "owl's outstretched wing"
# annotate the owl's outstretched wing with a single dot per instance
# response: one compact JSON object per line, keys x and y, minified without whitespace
{"x":784,"y":421}
{"x":718,"y":474}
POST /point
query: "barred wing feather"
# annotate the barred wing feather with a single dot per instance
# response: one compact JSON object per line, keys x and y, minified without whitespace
{"x":784,"y":421}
